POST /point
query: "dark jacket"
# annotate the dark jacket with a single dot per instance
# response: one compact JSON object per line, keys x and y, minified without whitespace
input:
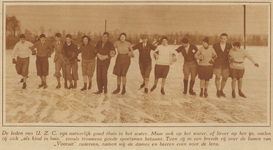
{"x":144,"y":53}
{"x":190,"y":56}
{"x":105,"y":50}
{"x":88,"y":51}
{"x":222,"y":57}
{"x":70,"y":52}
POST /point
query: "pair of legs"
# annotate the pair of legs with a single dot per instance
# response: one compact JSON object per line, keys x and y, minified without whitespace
{"x":102,"y":72}
{"x":60,"y":65}
{"x":162,"y":85}
{"x":189,"y":69}
{"x":42,"y":66}
{"x":237,"y":75}
{"x":119,"y":80}
{"x":88,"y":68}
{"x":22,"y":65}
{"x":220,"y":84}
{"x":72,"y":74}
{"x":204,"y":84}
{"x":43,"y":82}
{"x":145,"y":70}
{"x":121,"y":70}
{"x":161,"y":71}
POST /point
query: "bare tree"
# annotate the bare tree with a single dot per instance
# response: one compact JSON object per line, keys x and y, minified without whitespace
{"x":12,"y":24}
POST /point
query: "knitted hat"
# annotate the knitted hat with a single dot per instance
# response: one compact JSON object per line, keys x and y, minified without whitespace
{"x":42,"y":35}
{"x":22,"y":36}
{"x":185,"y":40}
{"x":206,"y":39}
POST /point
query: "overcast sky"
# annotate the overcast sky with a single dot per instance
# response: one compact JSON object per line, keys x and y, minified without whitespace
{"x":208,"y":19}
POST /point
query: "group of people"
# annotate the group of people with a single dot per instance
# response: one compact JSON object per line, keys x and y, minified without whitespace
{"x":222,"y":59}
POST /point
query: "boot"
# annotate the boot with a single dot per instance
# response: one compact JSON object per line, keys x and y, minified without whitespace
{"x":201,"y":92}
{"x":75,"y":85}
{"x":58,"y":86}
{"x":90,"y":85}
{"x":24,"y":85}
{"x":65,"y":84}
{"x":84,"y":87}
{"x":45,"y":85}
{"x":233,"y":94}
{"x":146,"y":90}
{"x":142,"y":85}
{"x":185,"y":86}
{"x":153,"y":88}
{"x":162,"y":91}
{"x":98,"y":92}
{"x":117,"y":90}
{"x":22,"y":80}
{"x":123,"y":90}
{"x":218,"y":94}
{"x":222,"y":93}
{"x":191,"y":88}
{"x":206,"y":93}
{"x":70,"y":86}
{"x":241,"y":94}
{"x":41,"y":85}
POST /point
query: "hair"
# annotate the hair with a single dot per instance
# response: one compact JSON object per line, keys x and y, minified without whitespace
{"x":224,"y":34}
{"x":22,"y":36}
{"x":85,"y":36}
{"x":238,"y":44}
{"x":121,"y":35}
{"x":68,"y":36}
{"x":58,"y":35}
{"x":106,"y":33}
{"x":185,"y":40}
{"x":42,"y":35}
{"x":164,"y":37}
{"x":143,"y":36}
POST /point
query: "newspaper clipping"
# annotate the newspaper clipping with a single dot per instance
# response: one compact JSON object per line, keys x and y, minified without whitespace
{"x":136,"y":75}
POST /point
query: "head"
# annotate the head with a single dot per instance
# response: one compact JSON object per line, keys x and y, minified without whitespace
{"x":237,"y":45}
{"x":58,"y":36}
{"x":223,"y":38}
{"x":68,"y":38}
{"x":122,"y":37}
{"x":42,"y":38}
{"x":86,"y":40}
{"x":185,"y":42}
{"x":164,"y":40}
{"x":206,"y":42}
{"x":144,"y":38}
{"x":105,"y":36}
{"x":22,"y":38}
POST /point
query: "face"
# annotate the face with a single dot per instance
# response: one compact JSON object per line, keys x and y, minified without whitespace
{"x":122,"y":38}
{"x":85,"y":41}
{"x":57,"y":38}
{"x":164,"y":42}
{"x":236,"y":48}
{"x":145,"y":40}
{"x":43,"y":39}
{"x":105,"y":38}
{"x":205,"y":44}
{"x":22,"y":40}
{"x":68,"y":40}
{"x":185,"y":44}
{"x":223,"y":39}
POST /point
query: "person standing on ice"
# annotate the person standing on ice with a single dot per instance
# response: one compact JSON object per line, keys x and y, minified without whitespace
{"x":221,"y":64}
{"x":105,"y":50}
{"x":70,"y":52}
{"x":190,"y":67}
{"x":59,"y":60}
{"x":145,"y":61}
{"x":164,"y":58}
{"x":22,"y":51}
{"x":44,"y":50}
{"x":123,"y":61}
{"x":237,"y":56}
{"x":88,"y":61}
{"x":206,"y":56}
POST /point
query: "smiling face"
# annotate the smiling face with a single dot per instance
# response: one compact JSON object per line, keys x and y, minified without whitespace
{"x":223,"y":39}
{"x":85,"y":41}
{"x":104,"y":38}
{"x":205,"y":44}
{"x":122,"y":38}
{"x":68,"y":40}
{"x":22,"y":40}
{"x":164,"y":42}
{"x":57,"y":38}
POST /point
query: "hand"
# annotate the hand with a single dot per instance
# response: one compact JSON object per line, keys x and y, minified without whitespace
{"x":33,"y":52}
{"x":156,"y":56}
{"x":13,"y":61}
{"x":112,"y":53}
{"x":257,"y":65}
{"x":200,"y":57}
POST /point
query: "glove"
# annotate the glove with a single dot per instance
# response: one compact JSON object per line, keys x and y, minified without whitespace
{"x":257,"y":65}
{"x":33,"y":52}
{"x":13,"y":61}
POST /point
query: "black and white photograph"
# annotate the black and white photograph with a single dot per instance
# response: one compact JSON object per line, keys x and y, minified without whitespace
{"x":136,"y":63}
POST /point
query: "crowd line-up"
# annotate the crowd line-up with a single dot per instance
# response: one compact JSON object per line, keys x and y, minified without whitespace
{"x":222,"y":59}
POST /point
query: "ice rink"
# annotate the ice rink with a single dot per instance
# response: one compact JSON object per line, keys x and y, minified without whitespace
{"x":74,"y":106}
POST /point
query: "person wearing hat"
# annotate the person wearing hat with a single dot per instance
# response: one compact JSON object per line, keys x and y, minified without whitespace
{"x":88,"y":61}
{"x":237,"y":56}
{"x":123,"y":61}
{"x":145,"y":61}
{"x":164,"y":56}
{"x":221,"y":64}
{"x":206,"y":56}
{"x":59,"y":60}
{"x":22,"y":51}
{"x":70,"y":52}
{"x":190,"y":67}
{"x":44,"y":50}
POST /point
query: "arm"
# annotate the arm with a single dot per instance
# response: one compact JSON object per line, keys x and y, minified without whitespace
{"x":214,"y":55}
{"x":251,"y":59}
{"x":14,"y":51}
{"x":197,"y":55}
{"x":135,"y":47}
